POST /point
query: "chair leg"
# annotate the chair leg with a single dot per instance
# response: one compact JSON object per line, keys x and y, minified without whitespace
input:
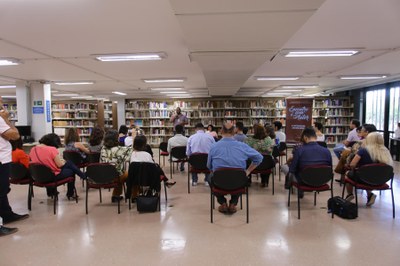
{"x":344,"y":187}
{"x":119,"y":208}
{"x":188,"y":180}
{"x":211,"y":206}
{"x":101,"y":198}
{"x":241,"y":201}
{"x":165,"y":193}
{"x":332,"y":196}
{"x":355,"y":194}
{"x":87,"y":197}
{"x":30,"y":195}
{"x":315,"y":198}
{"x":393,"y":207}
{"x":55,"y":199}
{"x":298,"y":204}
{"x":273,"y":182}
{"x":288,"y":202}
{"x":247,"y":205}
{"x":130,"y":201}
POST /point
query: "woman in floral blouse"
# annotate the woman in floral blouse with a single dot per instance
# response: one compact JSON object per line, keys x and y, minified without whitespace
{"x":263,"y":144}
{"x":117,"y":155}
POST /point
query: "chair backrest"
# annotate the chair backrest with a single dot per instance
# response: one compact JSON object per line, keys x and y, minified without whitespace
{"x":375,"y":174}
{"x":198,"y":160}
{"x":229,"y":178}
{"x":18,"y":171}
{"x":267,"y":163}
{"x":179,"y":152}
{"x":164,"y":146}
{"x":275,"y":151}
{"x":94,"y":157}
{"x":282,"y":146}
{"x":41,"y":173}
{"x":143,"y":174}
{"x":101,"y":173}
{"x":316,"y":175}
{"x":72,"y":156}
{"x":322,"y":143}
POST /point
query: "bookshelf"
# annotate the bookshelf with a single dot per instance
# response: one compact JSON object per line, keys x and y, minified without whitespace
{"x":108,"y":115}
{"x":79,"y":115}
{"x":335,"y":113}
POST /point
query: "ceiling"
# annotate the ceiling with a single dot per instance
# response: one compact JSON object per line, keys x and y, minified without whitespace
{"x":217,"y":46}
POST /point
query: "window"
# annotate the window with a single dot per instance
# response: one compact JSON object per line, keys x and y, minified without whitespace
{"x":375,"y":108}
{"x":394,"y":112}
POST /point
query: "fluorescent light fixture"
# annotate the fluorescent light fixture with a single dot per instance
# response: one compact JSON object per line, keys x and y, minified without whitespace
{"x":173,"y":92}
{"x":73,"y":83}
{"x":119,"y":93}
{"x":161,"y":80}
{"x":9,"y":96}
{"x":82,"y":97}
{"x":8,"y":86}
{"x":165,"y":89}
{"x":9,"y":61}
{"x":320,"y":53}
{"x":299,"y":86}
{"x":378,"y":76}
{"x":131,"y":57}
{"x":276,"y":93}
{"x":260,"y":78}
{"x":65,"y":94}
{"x":279,"y":90}
{"x":178,"y":95}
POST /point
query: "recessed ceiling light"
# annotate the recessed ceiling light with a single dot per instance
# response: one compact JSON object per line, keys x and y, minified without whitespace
{"x":364,"y":77}
{"x":320,"y":53}
{"x":299,"y":86}
{"x":9,"y":96}
{"x":164,"y":89}
{"x":119,"y":93}
{"x":9,"y":61}
{"x":65,"y":94}
{"x":131,"y":57}
{"x":73,"y":83}
{"x":276,"y":78}
{"x":8,"y":86}
{"x":161,"y":80}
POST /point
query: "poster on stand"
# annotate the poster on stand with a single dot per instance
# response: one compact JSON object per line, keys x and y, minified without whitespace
{"x":298,"y":117}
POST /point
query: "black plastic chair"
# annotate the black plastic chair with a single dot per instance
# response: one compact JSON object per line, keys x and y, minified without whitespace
{"x":101,"y":175}
{"x":144,"y":175}
{"x":162,"y":151}
{"x":177,"y":155}
{"x":229,"y":181}
{"x":315,"y":179}
{"x":197,"y":164}
{"x":93,"y":157}
{"x":43,"y":177}
{"x":19,"y":175}
{"x":265,"y":167}
{"x":372,"y":177}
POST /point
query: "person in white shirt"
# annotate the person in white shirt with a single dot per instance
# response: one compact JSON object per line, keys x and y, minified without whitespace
{"x":176,"y":141}
{"x":318,"y":131}
{"x":351,"y":138}
{"x":280,"y":136}
{"x":139,"y":154}
{"x":397,"y":131}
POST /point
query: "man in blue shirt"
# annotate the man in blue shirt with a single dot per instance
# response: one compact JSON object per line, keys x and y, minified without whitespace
{"x":199,"y":143}
{"x":229,"y":153}
{"x":239,"y":136}
{"x":310,"y":153}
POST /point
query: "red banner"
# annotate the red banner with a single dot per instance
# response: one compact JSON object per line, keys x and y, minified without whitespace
{"x":298,"y":117}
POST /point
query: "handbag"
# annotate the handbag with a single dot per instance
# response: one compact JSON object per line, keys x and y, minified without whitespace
{"x":147,"y":202}
{"x":342,"y":208}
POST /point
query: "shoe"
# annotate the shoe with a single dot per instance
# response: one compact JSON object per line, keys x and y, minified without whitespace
{"x":7,"y":230}
{"x":115,"y":199}
{"x":206,"y":183}
{"x":223,"y":208}
{"x":301,"y":194}
{"x":349,"y":197}
{"x":170,"y":184}
{"x":13,"y":217}
{"x":371,"y":199}
{"x":232,"y":208}
{"x":194,"y":184}
{"x":72,"y":197}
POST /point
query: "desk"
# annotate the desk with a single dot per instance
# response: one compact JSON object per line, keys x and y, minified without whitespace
{"x":28,"y":146}
{"x":395,"y":149}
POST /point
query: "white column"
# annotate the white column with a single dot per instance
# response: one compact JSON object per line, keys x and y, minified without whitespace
{"x":23,"y":104}
{"x":121,"y":111}
{"x":41,"y":109}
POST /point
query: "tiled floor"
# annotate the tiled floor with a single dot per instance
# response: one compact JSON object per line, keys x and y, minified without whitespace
{"x":181,"y":234}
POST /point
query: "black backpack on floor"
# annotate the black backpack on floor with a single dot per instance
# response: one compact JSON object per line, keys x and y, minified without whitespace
{"x":342,"y":208}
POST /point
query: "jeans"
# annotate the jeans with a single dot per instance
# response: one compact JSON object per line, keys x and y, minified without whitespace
{"x":195,"y":177}
{"x":68,"y":169}
{"x":5,"y":208}
{"x":338,"y":150}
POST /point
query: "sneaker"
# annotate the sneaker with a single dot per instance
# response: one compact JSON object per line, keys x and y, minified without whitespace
{"x":371,"y":199}
{"x":194,"y":184}
{"x":206,"y":184}
{"x":223,"y":208}
{"x":232,"y":208}
{"x":7,"y":230}
{"x":170,"y":184}
{"x":13,"y":217}
{"x":349,"y":197}
{"x":182,"y":169}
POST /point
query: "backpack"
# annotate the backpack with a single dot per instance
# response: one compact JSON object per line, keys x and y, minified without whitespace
{"x":342,"y":208}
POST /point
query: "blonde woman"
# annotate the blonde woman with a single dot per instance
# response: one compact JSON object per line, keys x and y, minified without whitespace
{"x":373,"y":150}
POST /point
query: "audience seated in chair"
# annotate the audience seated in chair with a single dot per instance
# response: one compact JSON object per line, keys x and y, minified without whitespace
{"x":46,"y":153}
{"x":117,"y":155}
{"x":18,"y":154}
{"x":310,"y":153}
{"x":351,"y":137}
{"x":229,"y":153}
{"x":200,"y":142}
{"x":318,"y":131}
{"x":96,"y":139}
{"x":373,"y":150}
{"x":72,"y":143}
{"x":176,"y":141}
{"x":239,"y":136}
